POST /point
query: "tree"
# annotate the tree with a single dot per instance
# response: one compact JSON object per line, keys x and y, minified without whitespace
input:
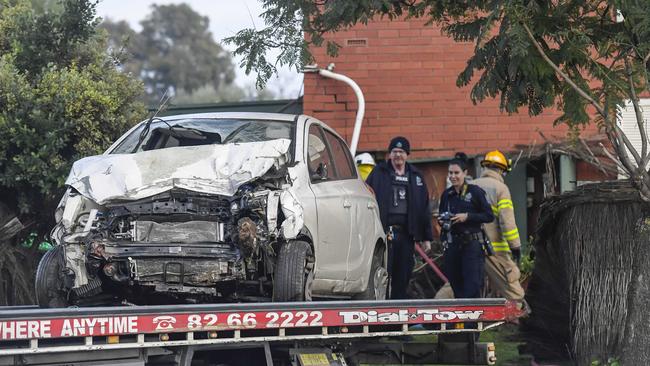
{"x":42,"y":6}
{"x":61,"y":98}
{"x":577,"y":55}
{"x":174,"y":52}
{"x":120,"y":38}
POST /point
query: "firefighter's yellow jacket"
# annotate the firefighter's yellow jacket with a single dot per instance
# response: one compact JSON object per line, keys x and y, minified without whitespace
{"x":502,"y":231}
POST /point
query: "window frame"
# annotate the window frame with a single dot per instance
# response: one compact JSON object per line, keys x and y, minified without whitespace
{"x":332,"y":171}
{"x":135,"y":130}
{"x":346,"y":153}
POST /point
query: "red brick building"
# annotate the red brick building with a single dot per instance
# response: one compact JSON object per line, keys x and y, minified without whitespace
{"x":407,"y":72}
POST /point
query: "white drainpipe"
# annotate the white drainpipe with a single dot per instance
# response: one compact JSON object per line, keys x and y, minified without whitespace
{"x":361,"y":102}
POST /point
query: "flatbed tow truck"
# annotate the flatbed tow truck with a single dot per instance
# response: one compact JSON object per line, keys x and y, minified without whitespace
{"x":298,"y":334}
{"x":306,"y":333}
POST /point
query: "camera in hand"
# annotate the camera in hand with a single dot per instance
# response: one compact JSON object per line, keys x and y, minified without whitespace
{"x":445,"y":223}
{"x":445,"y":220}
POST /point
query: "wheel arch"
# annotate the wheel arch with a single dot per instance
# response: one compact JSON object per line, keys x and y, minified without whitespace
{"x":381,"y":245}
{"x":305,"y":235}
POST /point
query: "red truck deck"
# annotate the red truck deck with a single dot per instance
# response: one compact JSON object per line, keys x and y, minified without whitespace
{"x":139,"y":335}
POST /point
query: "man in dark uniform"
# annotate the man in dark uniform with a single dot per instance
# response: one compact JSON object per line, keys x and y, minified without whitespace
{"x":403,"y":200}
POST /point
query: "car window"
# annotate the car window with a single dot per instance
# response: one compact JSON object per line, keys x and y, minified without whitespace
{"x":318,"y":155}
{"x":342,"y":158}
{"x":203,"y":131}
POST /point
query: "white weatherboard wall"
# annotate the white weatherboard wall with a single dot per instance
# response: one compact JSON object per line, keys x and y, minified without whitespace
{"x":627,"y":121}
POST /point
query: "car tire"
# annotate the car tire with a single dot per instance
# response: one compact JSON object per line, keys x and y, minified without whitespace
{"x":294,"y":272}
{"x":378,"y":281}
{"x":49,"y":280}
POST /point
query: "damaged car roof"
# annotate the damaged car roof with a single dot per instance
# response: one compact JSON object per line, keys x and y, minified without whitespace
{"x":212,"y":169}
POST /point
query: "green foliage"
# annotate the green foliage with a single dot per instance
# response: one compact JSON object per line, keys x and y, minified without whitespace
{"x":526,"y":267}
{"x":174,"y":52}
{"x":42,"y":6}
{"x":35,"y":39}
{"x":61,"y":98}
{"x":120,"y":38}
{"x":292,"y":26}
{"x":610,"y":362}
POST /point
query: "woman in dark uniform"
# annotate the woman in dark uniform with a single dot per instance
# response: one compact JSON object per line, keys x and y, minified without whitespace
{"x":468,"y":209}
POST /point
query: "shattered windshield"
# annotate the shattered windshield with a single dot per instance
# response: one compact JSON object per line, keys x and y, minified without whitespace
{"x":204,"y":131}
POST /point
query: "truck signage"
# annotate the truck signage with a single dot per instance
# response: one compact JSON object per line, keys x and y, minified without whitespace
{"x":55,"y":327}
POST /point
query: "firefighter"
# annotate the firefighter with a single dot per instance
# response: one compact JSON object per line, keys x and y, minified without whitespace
{"x":463,"y":209}
{"x":365,"y":164}
{"x":501,"y":268}
{"x":403,"y":200}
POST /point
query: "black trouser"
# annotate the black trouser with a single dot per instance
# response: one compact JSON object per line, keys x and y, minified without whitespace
{"x":464,"y":261}
{"x":400,"y":262}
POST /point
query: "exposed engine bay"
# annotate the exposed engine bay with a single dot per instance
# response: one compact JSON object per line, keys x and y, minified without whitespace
{"x":178,"y":245}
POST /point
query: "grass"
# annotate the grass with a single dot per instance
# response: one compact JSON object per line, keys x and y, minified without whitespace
{"x":506,"y":339}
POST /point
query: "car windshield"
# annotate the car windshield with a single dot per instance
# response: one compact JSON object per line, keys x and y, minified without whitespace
{"x":202,"y":131}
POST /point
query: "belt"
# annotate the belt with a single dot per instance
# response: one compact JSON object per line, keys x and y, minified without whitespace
{"x":478,"y":236}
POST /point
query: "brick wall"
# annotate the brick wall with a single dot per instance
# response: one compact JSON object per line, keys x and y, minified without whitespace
{"x":408,"y":71}
{"x":589,"y":173}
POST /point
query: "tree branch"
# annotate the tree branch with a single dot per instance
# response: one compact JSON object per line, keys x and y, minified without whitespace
{"x":617,"y":142}
{"x":614,"y":159}
{"x":593,"y":159}
{"x":639,"y":116}
{"x":628,"y":144}
{"x":608,"y":69}
{"x":617,"y":133}
{"x":566,"y":77}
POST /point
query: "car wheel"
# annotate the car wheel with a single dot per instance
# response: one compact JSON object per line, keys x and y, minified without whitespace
{"x":294,"y":272}
{"x":378,"y":281}
{"x":49,"y":280}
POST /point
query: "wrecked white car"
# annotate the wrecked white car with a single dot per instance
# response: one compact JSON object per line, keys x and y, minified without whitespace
{"x":216,"y":207}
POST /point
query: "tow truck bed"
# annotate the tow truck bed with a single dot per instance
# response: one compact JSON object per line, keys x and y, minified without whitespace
{"x":275,"y":332}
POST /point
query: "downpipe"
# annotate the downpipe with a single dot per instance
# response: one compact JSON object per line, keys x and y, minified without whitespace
{"x":361,"y":102}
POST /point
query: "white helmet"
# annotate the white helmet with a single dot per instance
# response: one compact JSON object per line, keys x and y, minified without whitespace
{"x":364,"y":158}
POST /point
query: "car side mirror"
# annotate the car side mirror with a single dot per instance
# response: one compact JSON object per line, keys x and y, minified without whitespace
{"x":320,"y":173}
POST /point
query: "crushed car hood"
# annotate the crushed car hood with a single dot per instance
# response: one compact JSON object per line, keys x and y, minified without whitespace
{"x":212,"y":169}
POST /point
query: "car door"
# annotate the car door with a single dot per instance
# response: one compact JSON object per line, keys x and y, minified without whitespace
{"x":362,"y":211}
{"x":331,"y":208}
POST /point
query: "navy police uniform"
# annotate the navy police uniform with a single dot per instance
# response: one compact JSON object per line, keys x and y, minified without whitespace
{"x":464,"y":256}
{"x":404,"y":211}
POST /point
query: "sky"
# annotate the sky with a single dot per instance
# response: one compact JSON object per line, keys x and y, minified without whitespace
{"x":226,"y":18}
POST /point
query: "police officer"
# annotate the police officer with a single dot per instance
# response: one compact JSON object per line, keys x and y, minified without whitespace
{"x":464,"y":253}
{"x":403,"y":200}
